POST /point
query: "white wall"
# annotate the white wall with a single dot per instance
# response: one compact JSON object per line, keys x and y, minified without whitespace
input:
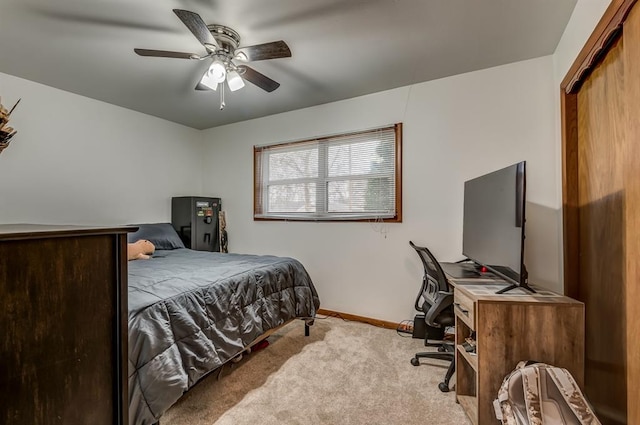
{"x":81,"y":161}
{"x":583,"y":20}
{"x":454,"y":129}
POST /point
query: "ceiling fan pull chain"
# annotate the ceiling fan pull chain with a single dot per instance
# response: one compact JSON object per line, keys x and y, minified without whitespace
{"x":222,"y":104}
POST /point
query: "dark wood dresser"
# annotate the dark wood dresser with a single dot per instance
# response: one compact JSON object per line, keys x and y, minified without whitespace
{"x":63,"y":325}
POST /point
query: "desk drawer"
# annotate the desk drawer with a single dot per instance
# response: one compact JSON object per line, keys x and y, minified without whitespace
{"x":464,"y":308}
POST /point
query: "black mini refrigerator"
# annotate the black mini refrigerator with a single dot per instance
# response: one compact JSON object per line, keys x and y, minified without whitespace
{"x":196,"y":221}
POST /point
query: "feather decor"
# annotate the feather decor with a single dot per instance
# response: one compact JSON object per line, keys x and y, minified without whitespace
{"x":6,"y":132}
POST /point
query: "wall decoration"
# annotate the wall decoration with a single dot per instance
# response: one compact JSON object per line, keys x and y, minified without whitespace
{"x":6,"y":132}
{"x":224,"y":239}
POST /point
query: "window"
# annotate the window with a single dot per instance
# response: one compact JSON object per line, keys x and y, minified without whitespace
{"x":355,"y":176}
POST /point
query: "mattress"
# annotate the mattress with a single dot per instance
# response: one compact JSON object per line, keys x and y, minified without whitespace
{"x":192,"y":311}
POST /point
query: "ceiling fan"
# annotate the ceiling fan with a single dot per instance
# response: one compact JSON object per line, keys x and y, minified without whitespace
{"x":223,"y":48}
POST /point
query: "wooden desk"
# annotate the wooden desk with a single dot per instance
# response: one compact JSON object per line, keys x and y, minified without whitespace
{"x":508,"y":328}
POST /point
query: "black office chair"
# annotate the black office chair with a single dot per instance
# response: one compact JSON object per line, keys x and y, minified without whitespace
{"x":437,"y":306}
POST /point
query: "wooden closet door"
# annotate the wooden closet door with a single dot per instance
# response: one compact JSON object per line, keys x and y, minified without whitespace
{"x":601,"y":200}
{"x":632,"y":191}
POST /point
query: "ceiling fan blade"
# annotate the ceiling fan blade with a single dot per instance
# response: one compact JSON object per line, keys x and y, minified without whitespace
{"x":196,"y":25}
{"x":166,"y":54}
{"x":260,"y":80}
{"x":102,"y":14}
{"x":273,"y":50}
{"x":202,"y":87}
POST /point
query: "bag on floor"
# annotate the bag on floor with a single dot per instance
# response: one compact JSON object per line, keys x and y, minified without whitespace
{"x":540,"y":394}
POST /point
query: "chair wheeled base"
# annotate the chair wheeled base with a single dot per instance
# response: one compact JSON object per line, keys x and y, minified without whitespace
{"x":443,"y":353}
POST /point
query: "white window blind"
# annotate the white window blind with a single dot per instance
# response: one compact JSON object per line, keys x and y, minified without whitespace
{"x":344,"y":177}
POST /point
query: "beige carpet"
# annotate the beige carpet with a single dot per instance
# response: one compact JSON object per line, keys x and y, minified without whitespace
{"x":344,"y":373}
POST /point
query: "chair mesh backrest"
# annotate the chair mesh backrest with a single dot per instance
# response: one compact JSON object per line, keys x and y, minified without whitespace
{"x":435,"y":278}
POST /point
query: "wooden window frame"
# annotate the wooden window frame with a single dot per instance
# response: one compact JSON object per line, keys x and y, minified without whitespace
{"x":257,"y":194}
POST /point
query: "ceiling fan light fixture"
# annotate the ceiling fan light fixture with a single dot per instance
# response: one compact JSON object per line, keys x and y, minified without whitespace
{"x":217,"y":71}
{"x":208,"y":81}
{"x":234,"y":80}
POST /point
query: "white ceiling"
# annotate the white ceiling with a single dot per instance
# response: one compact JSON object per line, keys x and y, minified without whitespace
{"x":340,"y":48}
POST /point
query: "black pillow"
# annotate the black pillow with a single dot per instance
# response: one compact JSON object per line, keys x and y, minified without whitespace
{"x":161,"y":235}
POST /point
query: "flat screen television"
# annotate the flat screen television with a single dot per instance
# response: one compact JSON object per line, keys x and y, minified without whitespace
{"x":493,"y":224}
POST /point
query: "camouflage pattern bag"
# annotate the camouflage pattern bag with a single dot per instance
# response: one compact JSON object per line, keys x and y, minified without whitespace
{"x":540,"y":394}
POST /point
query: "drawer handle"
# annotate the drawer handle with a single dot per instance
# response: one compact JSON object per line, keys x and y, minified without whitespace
{"x":465,"y":312}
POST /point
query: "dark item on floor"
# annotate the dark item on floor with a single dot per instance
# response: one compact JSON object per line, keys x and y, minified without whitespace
{"x":260,"y":345}
{"x":421,"y":330}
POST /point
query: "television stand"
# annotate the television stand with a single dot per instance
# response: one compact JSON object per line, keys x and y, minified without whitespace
{"x":525,"y":285}
{"x":514,"y":286}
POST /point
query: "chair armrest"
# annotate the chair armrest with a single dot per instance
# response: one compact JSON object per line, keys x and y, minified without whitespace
{"x":443,"y":301}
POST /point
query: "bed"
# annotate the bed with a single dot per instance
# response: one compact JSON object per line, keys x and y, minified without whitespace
{"x":191,"y":312}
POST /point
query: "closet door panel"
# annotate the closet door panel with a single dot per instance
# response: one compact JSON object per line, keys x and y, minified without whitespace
{"x":601,"y":200}
{"x":632,"y":195}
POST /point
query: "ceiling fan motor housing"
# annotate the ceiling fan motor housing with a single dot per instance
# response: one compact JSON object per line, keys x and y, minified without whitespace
{"x":227,"y":38}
